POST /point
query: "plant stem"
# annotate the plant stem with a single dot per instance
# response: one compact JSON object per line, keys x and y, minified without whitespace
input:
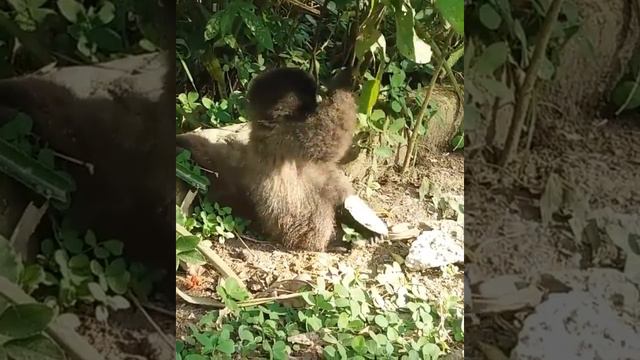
{"x":423,"y":110}
{"x":442,"y":62}
{"x":524,"y":92}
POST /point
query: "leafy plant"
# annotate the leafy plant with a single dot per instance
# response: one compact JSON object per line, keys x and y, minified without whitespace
{"x":23,"y":325}
{"x":344,"y":317}
{"x":350,"y":234}
{"x":217,"y":221}
{"x":83,"y":269}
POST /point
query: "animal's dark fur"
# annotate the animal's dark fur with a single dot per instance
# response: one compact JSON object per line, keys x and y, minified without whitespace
{"x":128,"y":140}
{"x":294,"y":147}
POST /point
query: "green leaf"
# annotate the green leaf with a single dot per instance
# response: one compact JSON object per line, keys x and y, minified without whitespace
{"x":232,"y":289}
{"x":73,"y":244}
{"x":147,"y":45}
{"x":79,"y":262}
{"x":260,"y":30}
{"x":314,"y":322}
{"x":381,"y":321}
{"x":32,"y":276}
{"x":97,"y":292}
{"x":107,"y":12}
{"x":187,"y":243}
{"x":106,"y":39}
{"x":408,"y":42}
{"x":25,"y":320}
{"x":90,"y":238}
{"x":226,"y":346}
{"x":358,"y":344}
{"x":70,"y":9}
{"x":489,"y":17}
{"x":369,"y":94}
{"x":621,"y":93}
{"x":329,"y":352}
{"x":115,"y":247}
{"x":453,"y":12}
{"x":192,"y":257}
{"x":118,"y":302}
{"x":430,"y":351}
{"x":100,"y":252}
{"x":38,"y":347}
{"x":493,"y":57}
{"x":10,"y":266}
{"x":117,"y":276}
{"x":343,"y":320}
{"x":102,"y":313}
{"x":279,"y":350}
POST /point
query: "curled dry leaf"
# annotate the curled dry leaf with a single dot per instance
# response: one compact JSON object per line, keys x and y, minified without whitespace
{"x":403,"y":231}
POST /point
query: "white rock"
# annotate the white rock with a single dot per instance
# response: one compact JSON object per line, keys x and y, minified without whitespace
{"x":433,"y":248}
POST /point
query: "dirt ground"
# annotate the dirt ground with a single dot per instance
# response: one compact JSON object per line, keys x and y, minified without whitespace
{"x":129,"y":335}
{"x":503,"y":228}
{"x":397,"y":201}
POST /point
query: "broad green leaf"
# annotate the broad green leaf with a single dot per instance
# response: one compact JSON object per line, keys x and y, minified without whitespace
{"x":107,"y":12}
{"x":279,"y":350}
{"x":261,"y":32}
{"x":31,"y":277}
{"x":38,"y":347}
{"x":408,"y":42}
{"x":70,"y":9}
{"x":359,"y":345}
{"x":453,"y":12}
{"x":106,"y":39}
{"x":97,"y":292}
{"x":115,"y":247}
{"x":370,"y":92}
{"x":489,"y":17}
{"x":25,"y":320}
{"x":192,"y":257}
{"x":187,"y":243}
{"x":492,"y":58}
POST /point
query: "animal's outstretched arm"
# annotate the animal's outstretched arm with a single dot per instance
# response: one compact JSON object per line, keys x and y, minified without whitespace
{"x":328,"y":132}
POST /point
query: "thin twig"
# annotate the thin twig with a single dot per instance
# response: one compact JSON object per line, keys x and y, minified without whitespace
{"x":524,"y":92}
{"x":159,"y":310}
{"x":68,"y":158}
{"x":153,"y":323}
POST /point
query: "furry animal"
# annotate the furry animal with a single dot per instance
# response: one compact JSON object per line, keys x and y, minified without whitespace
{"x":129,"y":141}
{"x":293,"y":151}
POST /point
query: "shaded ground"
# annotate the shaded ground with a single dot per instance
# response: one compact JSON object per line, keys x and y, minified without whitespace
{"x":505,"y":234}
{"x":261,"y":264}
{"x":129,"y":335}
